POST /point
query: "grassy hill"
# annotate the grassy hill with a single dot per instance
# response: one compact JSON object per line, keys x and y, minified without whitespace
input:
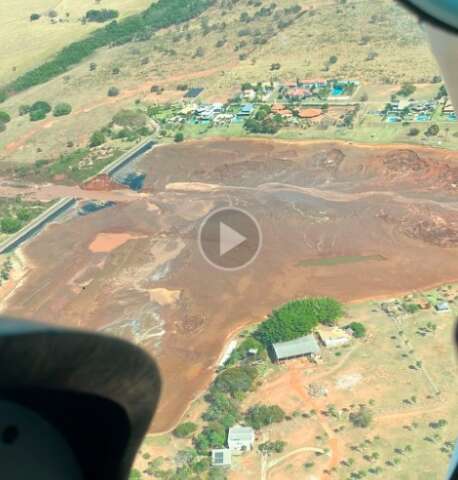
{"x":233,"y":41}
{"x":25,"y":43}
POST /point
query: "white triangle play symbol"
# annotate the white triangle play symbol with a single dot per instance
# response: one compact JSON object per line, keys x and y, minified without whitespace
{"x":228,"y":239}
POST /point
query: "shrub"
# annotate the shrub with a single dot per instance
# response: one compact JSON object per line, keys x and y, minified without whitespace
{"x":113,"y":92}
{"x":24,"y":109}
{"x":413,"y":132}
{"x":10,"y":225}
{"x":359,"y":330}
{"x":407,"y":89}
{"x":2,"y":127}
{"x":130,"y":118}
{"x":4,"y":117}
{"x":185,"y":430}
{"x":432,"y":131}
{"x":62,"y":109}
{"x":34,"y":17}
{"x":179,"y":137}
{"x":97,"y":138}
{"x":270,"y":447}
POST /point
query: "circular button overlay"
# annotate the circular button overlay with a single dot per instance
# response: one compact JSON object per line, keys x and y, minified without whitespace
{"x":229,"y":238}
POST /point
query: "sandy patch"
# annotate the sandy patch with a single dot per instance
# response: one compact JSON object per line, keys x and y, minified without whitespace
{"x":162,"y":296}
{"x":347,"y":382}
{"x":107,"y":242}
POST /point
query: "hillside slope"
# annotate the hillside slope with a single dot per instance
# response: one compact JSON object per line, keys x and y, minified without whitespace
{"x":232,"y":42}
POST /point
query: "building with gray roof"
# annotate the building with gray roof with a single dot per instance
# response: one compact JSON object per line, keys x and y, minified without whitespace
{"x":300,"y":347}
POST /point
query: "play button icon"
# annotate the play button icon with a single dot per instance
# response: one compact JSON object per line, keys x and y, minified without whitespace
{"x":229,"y":238}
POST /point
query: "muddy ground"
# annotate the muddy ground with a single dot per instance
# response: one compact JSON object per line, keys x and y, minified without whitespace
{"x":135,"y":269}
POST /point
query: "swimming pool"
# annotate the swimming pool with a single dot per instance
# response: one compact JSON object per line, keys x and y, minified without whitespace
{"x":337,"y":90}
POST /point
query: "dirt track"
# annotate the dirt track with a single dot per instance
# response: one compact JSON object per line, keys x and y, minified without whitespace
{"x":316,"y":200}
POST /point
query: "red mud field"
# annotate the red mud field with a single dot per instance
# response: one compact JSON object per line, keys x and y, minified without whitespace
{"x":394,"y":206}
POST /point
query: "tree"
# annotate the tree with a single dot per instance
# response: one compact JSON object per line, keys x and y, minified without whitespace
{"x":41,"y":106}
{"x":413,"y":132}
{"x":359,"y":330}
{"x":260,"y":416}
{"x":2,"y":127}
{"x":179,"y":137}
{"x":362,"y":418}
{"x":62,"y":109}
{"x":407,"y":89}
{"x":97,"y":138}
{"x":236,"y":381}
{"x":332,"y":60}
{"x":34,"y":17}
{"x":298,"y":318}
{"x":37,"y":115}
{"x":113,"y":92}
{"x":432,"y":131}
{"x":185,"y":430}
{"x":4,"y":117}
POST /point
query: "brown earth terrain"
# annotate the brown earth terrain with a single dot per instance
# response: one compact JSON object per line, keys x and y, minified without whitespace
{"x":383,"y":220}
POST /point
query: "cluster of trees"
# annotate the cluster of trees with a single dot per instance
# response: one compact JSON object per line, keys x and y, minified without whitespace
{"x":101,"y":16}
{"x":40,"y":109}
{"x":160,"y":14}
{"x":262,"y":125}
{"x":260,"y":416}
{"x":298,"y":318}
{"x":16,"y":219}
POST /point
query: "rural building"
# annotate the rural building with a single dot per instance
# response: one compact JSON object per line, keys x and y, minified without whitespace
{"x":240,"y":439}
{"x":314,"y":83}
{"x":246,"y":110}
{"x":300,"y":347}
{"x":334,"y":337}
{"x":221,"y":457}
{"x":442,"y":307}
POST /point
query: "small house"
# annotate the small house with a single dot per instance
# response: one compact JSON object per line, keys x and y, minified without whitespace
{"x":221,"y":457}
{"x":240,"y":439}
{"x":300,"y":347}
{"x":442,"y":307}
{"x":298,"y":93}
{"x":334,"y":337}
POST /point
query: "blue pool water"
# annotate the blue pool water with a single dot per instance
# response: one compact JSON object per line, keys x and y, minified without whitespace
{"x":337,"y":91}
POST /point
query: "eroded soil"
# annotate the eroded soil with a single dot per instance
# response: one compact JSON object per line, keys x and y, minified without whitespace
{"x":147,"y":281}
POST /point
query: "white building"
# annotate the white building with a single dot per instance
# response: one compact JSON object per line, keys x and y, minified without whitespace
{"x":334,"y":337}
{"x":240,"y":439}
